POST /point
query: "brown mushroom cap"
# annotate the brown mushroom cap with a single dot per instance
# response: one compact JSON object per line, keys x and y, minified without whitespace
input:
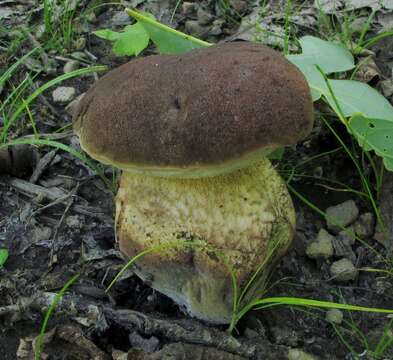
{"x":205,"y":112}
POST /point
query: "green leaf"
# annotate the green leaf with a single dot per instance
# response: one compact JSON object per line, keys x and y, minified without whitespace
{"x":131,"y":41}
{"x":3,"y":256}
{"x":357,"y":97}
{"x":330,"y":57}
{"x":167,"y":40}
{"x":374,"y":134}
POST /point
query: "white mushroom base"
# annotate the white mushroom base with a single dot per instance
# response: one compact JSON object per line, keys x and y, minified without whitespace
{"x":246,"y":216}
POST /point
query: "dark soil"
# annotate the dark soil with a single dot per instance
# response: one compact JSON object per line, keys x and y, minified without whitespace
{"x":50,"y":238}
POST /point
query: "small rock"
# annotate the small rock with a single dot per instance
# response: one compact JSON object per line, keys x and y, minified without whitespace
{"x":216,"y":28}
{"x":73,"y":105}
{"x":71,"y":65}
{"x":335,"y":316}
{"x":194,"y":28}
{"x":341,"y":215}
{"x":297,"y":354}
{"x":188,"y":8}
{"x":204,"y":18}
{"x":63,"y":94}
{"x":364,"y":226}
{"x":343,"y":270}
{"x":322,"y":247}
{"x":120,"y":18}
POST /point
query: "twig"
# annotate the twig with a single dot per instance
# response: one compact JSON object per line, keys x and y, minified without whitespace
{"x":42,"y":165}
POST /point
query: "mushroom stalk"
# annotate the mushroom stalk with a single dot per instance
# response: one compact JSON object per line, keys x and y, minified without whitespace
{"x":240,"y":214}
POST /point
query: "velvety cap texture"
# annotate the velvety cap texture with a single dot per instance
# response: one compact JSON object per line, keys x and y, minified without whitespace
{"x":208,"y":107}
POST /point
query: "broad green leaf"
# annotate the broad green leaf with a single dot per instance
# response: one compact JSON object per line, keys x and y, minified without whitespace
{"x":357,"y":97}
{"x":330,"y":57}
{"x":131,"y":41}
{"x":374,"y":134}
{"x":3,"y":256}
{"x":167,"y":40}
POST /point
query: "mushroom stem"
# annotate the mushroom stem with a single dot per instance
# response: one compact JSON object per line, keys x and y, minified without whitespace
{"x":240,"y":214}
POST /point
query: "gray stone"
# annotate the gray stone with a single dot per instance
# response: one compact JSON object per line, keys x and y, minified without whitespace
{"x":335,"y":316}
{"x":343,"y":270}
{"x":188,"y":8}
{"x":322,"y":247}
{"x":120,"y":18}
{"x":194,"y":28}
{"x":204,"y":18}
{"x":365,"y":225}
{"x":216,"y":28}
{"x":71,"y":65}
{"x":63,"y":94}
{"x":341,"y":215}
{"x":298,"y":354}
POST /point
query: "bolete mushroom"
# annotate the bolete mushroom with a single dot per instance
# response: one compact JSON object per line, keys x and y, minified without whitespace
{"x":191,"y":133}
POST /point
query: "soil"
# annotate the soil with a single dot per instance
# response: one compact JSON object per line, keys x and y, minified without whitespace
{"x":63,"y":226}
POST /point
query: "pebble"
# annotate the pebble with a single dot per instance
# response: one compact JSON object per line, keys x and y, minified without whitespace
{"x":188,"y":8}
{"x":204,"y":17}
{"x":194,"y":28}
{"x":335,"y":316}
{"x":341,"y":215}
{"x":63,"y":94}
{"x":322,"y":247}
{"x":70,"y":66}
{"x":343,"y":270}
{"x":120,"y":18}
{"x":298,"y":354}
{"x":365,"y":225}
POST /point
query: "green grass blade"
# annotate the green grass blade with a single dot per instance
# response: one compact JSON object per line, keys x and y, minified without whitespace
{"x":51,"y":309}
{"x":41,"y":89}
{"x":318,"y":303}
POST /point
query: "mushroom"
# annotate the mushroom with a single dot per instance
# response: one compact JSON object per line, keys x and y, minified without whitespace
{"x":191,"y":133}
